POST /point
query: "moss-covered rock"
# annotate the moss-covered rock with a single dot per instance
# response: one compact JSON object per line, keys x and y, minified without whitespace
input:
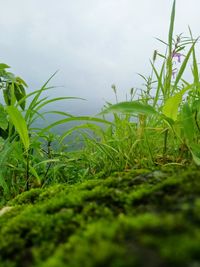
{"x":138,"y":218}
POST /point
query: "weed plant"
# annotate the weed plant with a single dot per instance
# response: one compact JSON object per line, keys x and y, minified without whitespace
{"x":162,"y":125}
{"x":31,"y":156}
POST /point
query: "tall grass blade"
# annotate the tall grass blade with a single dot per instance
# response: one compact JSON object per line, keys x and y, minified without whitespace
{"x":160,"y":83}
{"x":56,"y":99}
{"x":171,"y":27}
{"x":3,"y":118}
{"x":183,"y":66}
{"x":39,"y":92}
{"x":195,"y":150}
{"x":188,"y":123}
{"x":3,"y":160}
{"x":20,"y":125}
{"x":195,"y":69}
{"x":80,"y":118}
{"x":90,"y":126}
{"x":167,"y":87}
{"x":133,"y":107}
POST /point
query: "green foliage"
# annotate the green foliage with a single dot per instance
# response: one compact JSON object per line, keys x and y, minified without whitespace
{"x":21,"y":162}
{"x":13,"y":87}
{"x":3,"y":118}
{"x":160,"y":127}
{"x":34,"y":157}
{"x":171,"y":107}
{"x":188,"y":123}
{"x":19,"y":124}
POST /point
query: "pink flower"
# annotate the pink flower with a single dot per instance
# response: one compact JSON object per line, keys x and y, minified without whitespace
{"x":178,"y":56}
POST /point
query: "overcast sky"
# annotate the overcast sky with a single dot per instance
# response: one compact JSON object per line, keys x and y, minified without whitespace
{"x":93,"y":43}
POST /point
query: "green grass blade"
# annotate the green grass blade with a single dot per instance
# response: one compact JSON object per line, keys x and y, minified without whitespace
{"x":20,"y":124}
{"x":31,"y":94}
{"x":56,"y":99}
{"x":4,"y":156}
{"x":133,"y":107}
{"x":171,"y":27}
{"x":183,"y":66}
{"x":30,"y":112}
{"x":195,"y":151}
{"x":3,"y":118}
{"x":42,"y":116}
{"x":80,"y":118}
{"x":62,"y":113}
{"x":167,"y":87}
{"x":195,"y":69}
{"x":35,"y":174}
{"x":91,"y":126}
{"x":46,"y":161}
{"x":187,"y":123}
{"x":43,"y":88}
{"x":158,"y":39}
{"x":160,"y":83}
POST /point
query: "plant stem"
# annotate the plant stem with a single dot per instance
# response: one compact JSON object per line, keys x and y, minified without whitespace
{"x":27,"y":170}
{"x":196,"y":120}
{"x":165,"y":142}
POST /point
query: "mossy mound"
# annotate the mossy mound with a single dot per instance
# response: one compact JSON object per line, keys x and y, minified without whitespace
{"x":139,"y":218}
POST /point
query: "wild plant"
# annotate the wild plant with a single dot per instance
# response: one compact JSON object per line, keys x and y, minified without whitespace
{"x":169,"y":105}
{"x":38,"y":156}
{"x":21,"y":144}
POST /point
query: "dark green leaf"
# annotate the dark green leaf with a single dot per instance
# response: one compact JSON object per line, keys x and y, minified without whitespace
{"x":3,"y":66}
{"x":3,"y":118}
{"x":19,"y":94}
{"x":187,"y":123}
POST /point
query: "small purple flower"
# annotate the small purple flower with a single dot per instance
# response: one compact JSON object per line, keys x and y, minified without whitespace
{"x":178,"y":56}
{"x":174,"y":71}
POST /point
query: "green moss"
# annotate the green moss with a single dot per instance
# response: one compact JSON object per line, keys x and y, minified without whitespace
{"x":27,"y":197}
{"x":128,"y":219}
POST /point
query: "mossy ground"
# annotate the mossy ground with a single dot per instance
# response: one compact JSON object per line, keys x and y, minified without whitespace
{"x":138,"y":218}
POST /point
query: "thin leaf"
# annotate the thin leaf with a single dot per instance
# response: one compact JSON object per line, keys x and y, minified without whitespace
{"x":91,"y":126}
{"x":171,"y":27}
{"x":187,"y":123}
{"x":132,"y":107}
{"x":170,"y":109}
{"x":183,"y":66}
{"x":195,"y":150}
{"x":161,"y":41}
{"x":3,"y":118}
{"x":160,"y":84}
{"x":57,"y":99}
{"x":19,"y":124}
{"x":81,"y":118}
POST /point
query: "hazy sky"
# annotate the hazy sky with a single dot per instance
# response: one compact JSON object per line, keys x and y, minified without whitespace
{"x":93,"y":43}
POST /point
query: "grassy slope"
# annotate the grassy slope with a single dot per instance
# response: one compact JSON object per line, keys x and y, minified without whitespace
{"x":130,"y":219}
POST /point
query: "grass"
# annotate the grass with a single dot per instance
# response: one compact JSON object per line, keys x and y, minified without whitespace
{"x":159,"y":126}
